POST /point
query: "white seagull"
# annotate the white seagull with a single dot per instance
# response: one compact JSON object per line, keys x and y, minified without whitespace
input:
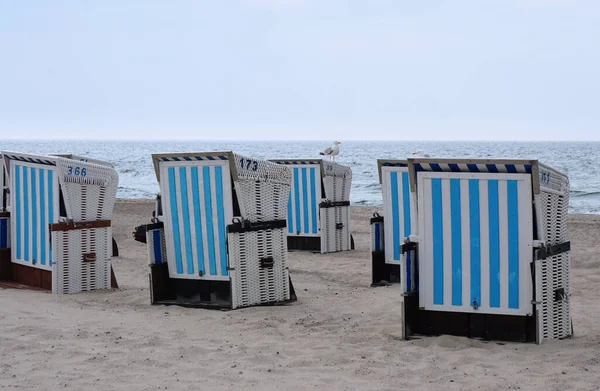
{"x":420,"y":154}
{"x":332,"y":151}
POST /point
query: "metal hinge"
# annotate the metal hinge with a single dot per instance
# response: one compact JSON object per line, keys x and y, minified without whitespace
{"x":89,"y":257}
{"x":549,"y":251}
{"x":405,"y":247}
{"x":267,"y":262}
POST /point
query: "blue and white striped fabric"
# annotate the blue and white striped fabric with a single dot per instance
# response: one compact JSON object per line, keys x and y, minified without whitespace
{"x":305,"y":196}
{"x":298,"y":162}
{"x":409,"y":272}
{"x":476,"y":235}
{"x":198,"y":205}
{"x":34,"y":192}
{"x":192,"y":158}
{"x":398,"y":219}
{"x":377,"y":234}
{"x":4,"y":232}
{"x":155,"y":250}
{"x":30,"y":159}
{"x":511,"y":168}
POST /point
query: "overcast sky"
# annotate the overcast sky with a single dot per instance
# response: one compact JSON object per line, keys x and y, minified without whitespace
{"x":300,"y":69}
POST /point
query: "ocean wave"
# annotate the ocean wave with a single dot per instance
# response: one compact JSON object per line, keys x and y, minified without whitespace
{"x":128,"y":192}
{"x":582,"y":194}
{"x":131,"y":171}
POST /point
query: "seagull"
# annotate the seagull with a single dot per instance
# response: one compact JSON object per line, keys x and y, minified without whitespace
{"x":332,"y":151}
{"x":420,"y":154}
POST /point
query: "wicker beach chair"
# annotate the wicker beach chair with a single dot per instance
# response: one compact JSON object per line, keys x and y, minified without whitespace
{"x":218,"y":238}
{"x":60,"y":228}
{"x":489,"y":240}
{"x":318,"y":215}
{"x":389,"y":231}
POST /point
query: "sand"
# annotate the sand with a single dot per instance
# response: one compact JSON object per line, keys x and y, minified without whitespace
{"x":341,"y":334}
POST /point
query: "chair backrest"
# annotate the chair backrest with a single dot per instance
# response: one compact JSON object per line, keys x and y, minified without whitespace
{"x":337,"y":181}
{"x":89,"y":189}
{"x":313,"y":181}
{"x":554,"y":202}
{"x":305,"y":196}
{"x":261,"y":188}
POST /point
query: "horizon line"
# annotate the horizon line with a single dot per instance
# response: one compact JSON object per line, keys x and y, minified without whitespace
{"x":288,"y":140}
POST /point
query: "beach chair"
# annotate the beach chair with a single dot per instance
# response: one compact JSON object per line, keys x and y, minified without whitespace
{"x":218,"y":235}
{"x":492,"y":253}
{"x":60,"y":228}
{"x":390,"y":254}
{"x":4,"y":215}
{"x":318,"y":215}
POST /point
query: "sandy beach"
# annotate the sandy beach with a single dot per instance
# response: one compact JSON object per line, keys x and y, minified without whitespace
{"x":340,"y":334}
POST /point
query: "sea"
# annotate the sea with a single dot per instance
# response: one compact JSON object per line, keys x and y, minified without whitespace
{"x":579,"y":160}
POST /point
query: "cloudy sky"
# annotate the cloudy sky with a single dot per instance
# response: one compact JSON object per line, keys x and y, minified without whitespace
{"x":300,"y":69}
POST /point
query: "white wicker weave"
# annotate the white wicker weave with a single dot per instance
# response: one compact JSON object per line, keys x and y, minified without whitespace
{"x":552,"y":204}
{"x":262,"y":188}
{"x":262,"y":201}
{"x":253,"y":169}
{"x":90,"y":196}
{"x":70,"y":274}
{"x":337,"y":180}
{"x":335,"y":235}
{"x":89,"y":191}
{"x":251,"y":283}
